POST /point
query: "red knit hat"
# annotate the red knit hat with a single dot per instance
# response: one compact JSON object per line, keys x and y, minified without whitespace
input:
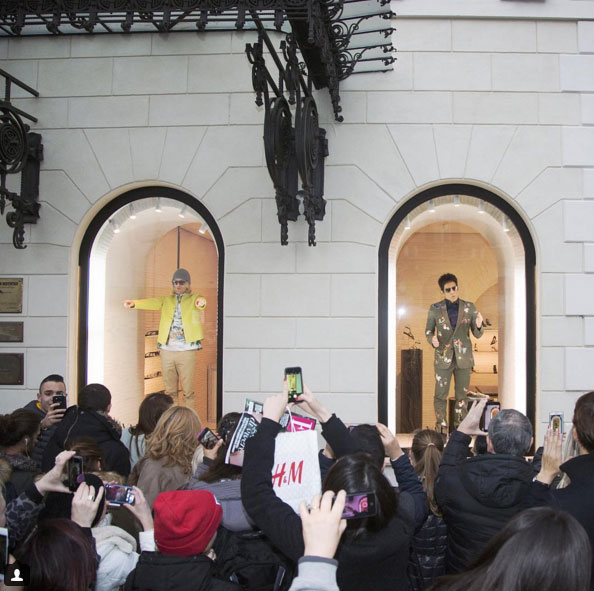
{"x":185,"y":521}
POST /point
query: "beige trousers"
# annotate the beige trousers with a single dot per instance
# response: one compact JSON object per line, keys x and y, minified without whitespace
{"x":179,"y":365}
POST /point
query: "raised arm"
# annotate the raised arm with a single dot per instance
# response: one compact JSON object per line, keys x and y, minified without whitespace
{"x":273,"y":516}
{"x":145,"y":304}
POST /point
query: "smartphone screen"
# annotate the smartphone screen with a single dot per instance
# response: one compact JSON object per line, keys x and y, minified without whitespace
{"x":295,"y":382}
{"x":359,"y":505}
{"x":60,"y":399}
{"x":3,"y":551}
{"x":75,"y":472}
{"x":207,"y":438}
{"x":118,"y":494}
{"x":491,"y":411}
{"x":556,"y":421}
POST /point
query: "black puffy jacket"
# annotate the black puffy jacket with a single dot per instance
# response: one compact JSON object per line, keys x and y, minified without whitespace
{"x":427,"y":553}
{"x":477,"y":497}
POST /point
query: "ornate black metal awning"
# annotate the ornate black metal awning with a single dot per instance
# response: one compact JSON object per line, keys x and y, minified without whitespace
{"x":326,"y":41}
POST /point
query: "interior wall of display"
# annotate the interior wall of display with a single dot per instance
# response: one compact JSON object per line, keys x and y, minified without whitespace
{"x":426,"y":255}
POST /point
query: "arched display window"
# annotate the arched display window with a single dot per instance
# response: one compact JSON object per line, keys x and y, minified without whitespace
{"x":482,"y":240}
{"x":129,"y":252}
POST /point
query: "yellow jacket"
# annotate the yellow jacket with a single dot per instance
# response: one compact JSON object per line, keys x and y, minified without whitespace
{"x":190,"y":315}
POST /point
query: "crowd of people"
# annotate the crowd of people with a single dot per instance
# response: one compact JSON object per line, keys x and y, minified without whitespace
{"x":472,"y":513}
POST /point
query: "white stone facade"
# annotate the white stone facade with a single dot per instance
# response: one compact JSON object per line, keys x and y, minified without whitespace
{"x":505,"y":103}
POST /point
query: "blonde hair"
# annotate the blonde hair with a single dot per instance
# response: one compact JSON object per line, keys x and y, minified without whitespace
{"x":174,"y":437}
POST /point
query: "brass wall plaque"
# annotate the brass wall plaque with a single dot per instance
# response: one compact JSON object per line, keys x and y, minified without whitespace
{"x":12,"y":369}
{"x":11,"y":295}
{"x":11,"y":332}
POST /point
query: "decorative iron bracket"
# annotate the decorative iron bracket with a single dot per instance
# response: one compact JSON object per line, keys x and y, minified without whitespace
{"x":291,"y":150}
{"x":21,"y":151}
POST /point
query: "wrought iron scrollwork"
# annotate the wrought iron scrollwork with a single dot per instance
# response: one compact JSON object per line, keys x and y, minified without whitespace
{"x":20,"y":152}
{"x":292,"y":151}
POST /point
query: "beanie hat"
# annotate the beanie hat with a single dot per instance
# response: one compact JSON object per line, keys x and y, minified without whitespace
{"x":181,"y":274}
{"x":185,"y":521}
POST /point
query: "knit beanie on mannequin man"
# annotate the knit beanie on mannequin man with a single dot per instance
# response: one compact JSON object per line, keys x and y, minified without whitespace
{"x":181,"y":274}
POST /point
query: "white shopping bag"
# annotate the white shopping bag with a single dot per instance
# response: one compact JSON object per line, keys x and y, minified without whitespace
{"x":296,"y":470}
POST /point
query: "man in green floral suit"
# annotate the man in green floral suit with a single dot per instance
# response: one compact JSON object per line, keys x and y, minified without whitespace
{"x":449,"y":323}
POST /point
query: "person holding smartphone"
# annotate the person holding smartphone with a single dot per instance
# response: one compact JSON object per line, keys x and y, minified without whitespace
{"x":50,"y":405}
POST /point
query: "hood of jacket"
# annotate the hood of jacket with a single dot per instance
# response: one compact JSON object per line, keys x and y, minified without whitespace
{"x":496,"y":480}
{"x":111,"y":537}
{"x":35,"y":407}
{"x":77,"y":422}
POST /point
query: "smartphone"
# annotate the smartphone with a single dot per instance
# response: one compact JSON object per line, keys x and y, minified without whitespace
{"x":60,"y":399}
{"x":359,"y":505}
{"x":75,"y":472}
{"x":3,"y":551}
{"x":295,"y":382}
{"x":118,"y":494}
{"x":491,"y":411}
{"x":208,"y":438}
{"x":556,"y":421}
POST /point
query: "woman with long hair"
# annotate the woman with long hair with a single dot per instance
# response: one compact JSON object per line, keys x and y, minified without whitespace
{"x":540,"y":549}
{"x":170,"y":449}
{"x":428,"y":548}
{"x":149,"y":412}
{"x":18,"y":435}
{"x":61,"y":557}
{"x":221,"y":479}
{"x":373,"y":551}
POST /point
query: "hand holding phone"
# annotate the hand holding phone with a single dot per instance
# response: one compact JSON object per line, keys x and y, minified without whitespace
{"x":60,"y":400}
{"x":208,"y":438}
{"x":491,"y":411}
{"x":294,"y":379}
{"x":118,"y":494}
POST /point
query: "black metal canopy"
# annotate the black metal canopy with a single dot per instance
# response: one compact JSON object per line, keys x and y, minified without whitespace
{"x":336,"y":38}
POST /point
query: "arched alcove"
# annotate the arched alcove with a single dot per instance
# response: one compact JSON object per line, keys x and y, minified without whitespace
{"x":129,"y":251}
{"x":474,"y":233}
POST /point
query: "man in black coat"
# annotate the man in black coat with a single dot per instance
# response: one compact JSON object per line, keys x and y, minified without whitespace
{"x":91,"y":419}
{"x":577,"y":497}
{"x":47,"y":409}
{"x":479,"y":495}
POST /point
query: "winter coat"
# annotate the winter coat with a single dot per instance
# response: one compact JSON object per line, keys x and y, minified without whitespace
{"x":117,"y":550}
{"x":575,"y":498}
{"x":428,"y":550}
{"x":154,"y":478}
{"x":136,"y":446}
{"x":315,"y":574}
{"x":160,"y":572}
{"x":375,"y":561}
{"x":104,"y":430}
{"x":21,"y":514}
{"x":24,"y":470}
{"x":44,"y":435}
{"x":228,"y":494}
{"x":477,"y":497}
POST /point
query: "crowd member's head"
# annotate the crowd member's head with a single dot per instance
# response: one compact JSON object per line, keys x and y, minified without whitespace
{"x":426,"y":450}
{"x":356,"y":473}
{"x":181,"y":282}
{"x":89,"y":451}
{"x":583,"y":421}
{"x":61,"y":557}
{"x":186,"y":521}
{"x":150,"y":411}
{"x":369,"y":441}
{"x":95,"y":397}
{"x":19,"y":431}
{"x":52,"y":385}
{"x":174,"y":437}
{"x":540,"y":549}
{"x":510,"y":432}
{"x":218,"y":469}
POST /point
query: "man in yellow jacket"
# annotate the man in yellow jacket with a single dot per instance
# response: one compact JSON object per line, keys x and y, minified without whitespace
{"x":180,"y":333}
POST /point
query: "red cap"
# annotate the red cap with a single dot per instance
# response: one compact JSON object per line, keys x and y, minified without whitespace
{"x":185,"y":521}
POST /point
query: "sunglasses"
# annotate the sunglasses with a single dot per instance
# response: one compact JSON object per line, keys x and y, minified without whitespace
{"x":448,"y":289}
{"x":179,"y":282}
